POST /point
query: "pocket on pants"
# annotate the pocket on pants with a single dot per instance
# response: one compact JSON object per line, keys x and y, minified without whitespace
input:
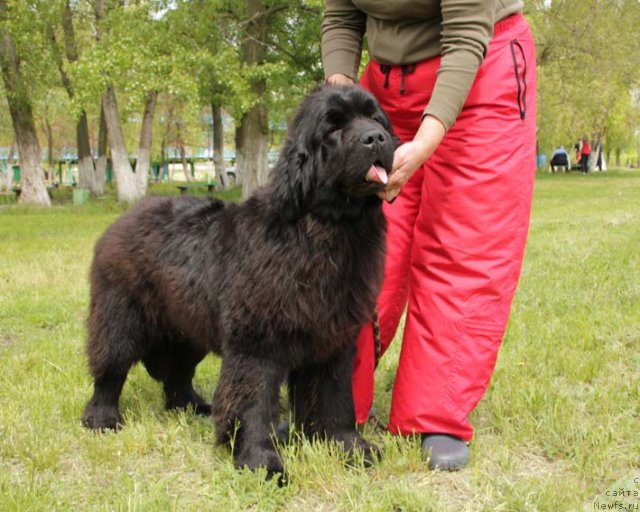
{"x":474,"y":362}
{"x":520,"y":74}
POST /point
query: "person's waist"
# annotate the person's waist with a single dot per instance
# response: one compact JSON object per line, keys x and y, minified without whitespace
{"x":507,"y":23}
{"x":414,"y":53}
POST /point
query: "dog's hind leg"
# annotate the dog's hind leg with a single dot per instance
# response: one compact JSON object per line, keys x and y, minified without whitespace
{"x":322,"y":403}
{"x":174,"y":364}
{"x":114,"y":344}
{"x":245,"y":411}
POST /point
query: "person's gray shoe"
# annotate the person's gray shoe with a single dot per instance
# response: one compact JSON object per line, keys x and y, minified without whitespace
{"x":445,"y":452}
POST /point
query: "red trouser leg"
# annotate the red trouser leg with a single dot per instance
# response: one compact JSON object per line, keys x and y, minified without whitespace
{"x":401,"y":216}
{"x":468,"y":238}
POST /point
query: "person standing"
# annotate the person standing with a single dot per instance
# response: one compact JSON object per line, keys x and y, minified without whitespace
{"x":585,"y":154}
{"x":458,"y":81}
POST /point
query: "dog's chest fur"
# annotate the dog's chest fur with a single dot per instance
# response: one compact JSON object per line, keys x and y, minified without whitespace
{"x":311,"y":287}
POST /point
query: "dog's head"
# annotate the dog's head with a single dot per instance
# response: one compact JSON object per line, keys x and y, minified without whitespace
{"x":338,"y":153}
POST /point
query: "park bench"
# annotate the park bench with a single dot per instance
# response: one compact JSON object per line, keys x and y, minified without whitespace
{"x":211,"y":187}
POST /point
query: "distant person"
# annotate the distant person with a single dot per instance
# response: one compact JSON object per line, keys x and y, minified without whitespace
{"x":560,"y":159}
{"x":585,"y":154}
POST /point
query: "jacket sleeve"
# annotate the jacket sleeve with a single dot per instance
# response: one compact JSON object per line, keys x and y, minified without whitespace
{"x":467,"y":28}
{"x":343,"y":28}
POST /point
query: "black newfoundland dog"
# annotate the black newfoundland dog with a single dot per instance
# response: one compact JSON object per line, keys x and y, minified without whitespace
{"x":278,"y":285}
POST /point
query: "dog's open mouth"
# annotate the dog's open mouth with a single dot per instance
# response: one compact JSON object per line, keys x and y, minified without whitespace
{"x":377,"y":174}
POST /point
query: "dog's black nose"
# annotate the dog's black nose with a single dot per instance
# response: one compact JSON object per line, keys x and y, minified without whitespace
{"x":372,"y":138}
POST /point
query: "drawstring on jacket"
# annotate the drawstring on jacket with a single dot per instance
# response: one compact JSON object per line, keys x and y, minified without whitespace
{"x":385,"y":69}
{"x":405,"y":69}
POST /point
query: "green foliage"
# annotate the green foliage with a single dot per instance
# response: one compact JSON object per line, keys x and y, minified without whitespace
{"x":52,"y":112}
{"x":294,"y":39}
{"x":191,"y":52}
{"x":211,"y":33}
{"x":588,"y":67}
{"x":201,"y":32}
{"x":135,"y":52}
{"x":26,"y":23}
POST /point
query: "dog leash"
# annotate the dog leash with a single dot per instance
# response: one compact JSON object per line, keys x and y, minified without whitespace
{"x":377,"y":343}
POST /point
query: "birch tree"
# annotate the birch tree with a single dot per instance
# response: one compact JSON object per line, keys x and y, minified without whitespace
{"x":33,"y":186}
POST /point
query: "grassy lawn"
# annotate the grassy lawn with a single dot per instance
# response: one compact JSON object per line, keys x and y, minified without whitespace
{"x":558,"y":426}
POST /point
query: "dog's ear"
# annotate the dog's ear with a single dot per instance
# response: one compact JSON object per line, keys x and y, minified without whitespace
{"x":294,"y":180}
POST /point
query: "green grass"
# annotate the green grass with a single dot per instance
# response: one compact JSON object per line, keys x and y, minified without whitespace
{"x":557,"y":427}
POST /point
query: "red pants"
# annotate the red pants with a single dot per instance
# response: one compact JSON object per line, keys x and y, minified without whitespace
{"x":456,"y":237}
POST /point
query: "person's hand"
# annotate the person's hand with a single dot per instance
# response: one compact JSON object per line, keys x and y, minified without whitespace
{"x":406,"y":159}
{"x":411,"y":155}
{"x":340,"y":79}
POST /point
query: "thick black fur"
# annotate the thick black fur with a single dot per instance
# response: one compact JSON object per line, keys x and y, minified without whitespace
{"x":278,"y":285}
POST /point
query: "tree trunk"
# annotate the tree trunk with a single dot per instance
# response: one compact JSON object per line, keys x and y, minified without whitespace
{"x":86,"y":168}
{"x":34,"y":188}
{"x":255,"y":147}
{"x":126,"y":183}
{"x":239,"y":156}
{"x":181,"y":149}
{"x":163,"y":162}
{"x":103,"y":134}
{"x":218,"y":145}
{"x":101,"y":163}
{"x":254,"y":126}
{"x":143,"y":163}
{"x":618,"y":158}
{"x":183,"y":158}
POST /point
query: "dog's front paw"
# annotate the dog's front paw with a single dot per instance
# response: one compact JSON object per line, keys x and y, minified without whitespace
{"x":101,"y":417}
{"x":257,"y":458}
{"x":357,"y":447}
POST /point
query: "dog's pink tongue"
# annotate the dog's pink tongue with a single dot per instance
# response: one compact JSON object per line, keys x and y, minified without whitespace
{"x":377,"y":174}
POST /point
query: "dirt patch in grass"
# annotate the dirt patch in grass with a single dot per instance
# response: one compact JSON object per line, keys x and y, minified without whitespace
{"x":622,"y":219}
{"x":531,"y":465}
{"x":468,"y":490}
{"x":457,"y":490}
{"x":14,"y":468}
{"x":6,"y":340}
